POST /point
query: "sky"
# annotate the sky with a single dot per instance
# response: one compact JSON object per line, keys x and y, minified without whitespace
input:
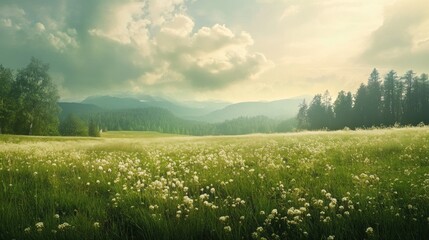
{"x":230,"y":50}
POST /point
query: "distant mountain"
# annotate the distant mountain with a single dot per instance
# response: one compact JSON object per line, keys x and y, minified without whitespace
{"x":77,"y":109}
{"x":113,"y":113}
{"x":188,"y":110}
{"x":114,"y":103}
{"x":208,"y":111}
{"x":280,"y":109}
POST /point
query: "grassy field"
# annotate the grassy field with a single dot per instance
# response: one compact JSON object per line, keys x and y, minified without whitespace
{"x":315,"y":185}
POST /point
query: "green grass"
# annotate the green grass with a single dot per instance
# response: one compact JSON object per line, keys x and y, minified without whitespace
{"x":140,"y":185}
{"x":136,"y":134}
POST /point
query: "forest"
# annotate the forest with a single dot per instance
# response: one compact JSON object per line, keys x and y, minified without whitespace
{"x":163,"y":121}
{"x":29,"y":106}
{"x":395,"y":100}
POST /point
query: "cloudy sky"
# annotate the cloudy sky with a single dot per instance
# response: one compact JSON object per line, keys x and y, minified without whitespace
{"x":232,"y":50}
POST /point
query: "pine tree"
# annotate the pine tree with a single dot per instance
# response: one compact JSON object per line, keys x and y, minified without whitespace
{"x":302,"y":116}
{"x":374,"y":94}
{"x":343,"y":110}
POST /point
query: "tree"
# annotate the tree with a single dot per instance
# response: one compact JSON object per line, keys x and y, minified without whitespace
{"x":328,"y":116}
{"x":72,"y":125}
{"x":302,"y":116}
{"x":424,"y":98}
{"x":404,"y":100}
{"x":93,"y":129}
{"x":359,"y":108}
{"x":390,"y":107}
{"x":6,"y":81}
{"x":343,"y":110}
{"x":419,"y":97}
{"x":36,"y":99}
{"x":410,"y":98}
{"x":315,"y":113}
{"x":374,"y":94}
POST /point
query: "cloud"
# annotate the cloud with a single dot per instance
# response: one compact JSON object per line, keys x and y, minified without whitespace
{"x":210,"y":58}
{"x":107,"y":44}
{"x":401,"y":41}
{"x":40,"y":27}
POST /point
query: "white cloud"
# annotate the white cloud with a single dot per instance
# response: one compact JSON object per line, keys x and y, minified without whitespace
{"x":148,"y":45}
{"x":161,"y":11}
{"x":401,"y":40}
{"x":180,"y":25}
{"x":209,"y":57}
{"x":7,"y":22}
{"x":125,"y":22}
{"x":63,"y":40}
{"x":13,"y":17}
{"x":40,"y":27}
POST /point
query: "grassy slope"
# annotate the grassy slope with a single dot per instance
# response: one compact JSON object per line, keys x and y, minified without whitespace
{"x":304,"y":185}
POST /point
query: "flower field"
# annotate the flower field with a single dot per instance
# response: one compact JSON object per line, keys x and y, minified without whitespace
{"x":314,"y":185}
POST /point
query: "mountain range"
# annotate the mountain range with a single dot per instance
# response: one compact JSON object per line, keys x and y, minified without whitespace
{"x":208,"y":111}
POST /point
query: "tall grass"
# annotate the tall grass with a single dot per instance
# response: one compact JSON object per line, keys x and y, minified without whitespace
{"x":316,"y":185}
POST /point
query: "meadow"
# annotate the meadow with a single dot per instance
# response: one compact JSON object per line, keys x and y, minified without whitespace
{"x":366,"y":184}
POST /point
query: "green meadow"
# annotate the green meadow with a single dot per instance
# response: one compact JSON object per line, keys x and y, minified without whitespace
{"x":365,"y":184}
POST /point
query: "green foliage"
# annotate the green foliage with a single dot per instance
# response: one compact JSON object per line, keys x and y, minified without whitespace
{"x":33,"y":98}
{"x":392,"y":99}
{"x":161,"y":120}
{"x":302,"y":117}
{"x":6,"y":103}
{"x":289,"y":125}
{"x":373,"y":110}
{"x":73,"y":126}
{"x":93,"y":129}
{"x":320,"y":113}
{"x":343,"y":108}
{"x":344,"y":184}
{"x":396,"y":101}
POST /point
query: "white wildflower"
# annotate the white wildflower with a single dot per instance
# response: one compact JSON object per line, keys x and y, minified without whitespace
{"x":369,"y":231}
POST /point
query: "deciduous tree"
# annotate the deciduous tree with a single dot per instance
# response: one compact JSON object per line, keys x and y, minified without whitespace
{"x":36,"y":100}
{"x":6,"y":81}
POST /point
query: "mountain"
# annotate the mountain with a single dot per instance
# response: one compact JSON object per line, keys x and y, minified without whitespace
{"x":114,"y":113}
{"x":187,"y":110}
{"x":114,"y":103}
{"x":280,"y":109}
{"x":208,"y":111}
{"x":77,"y":109}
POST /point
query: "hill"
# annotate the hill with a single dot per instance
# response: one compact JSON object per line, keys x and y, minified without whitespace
{"x":280,"y":109}
{"x":79,"y":109}
{"x":208,"y":111}
{"x":188,"y":110}
{"x":153,"y":114}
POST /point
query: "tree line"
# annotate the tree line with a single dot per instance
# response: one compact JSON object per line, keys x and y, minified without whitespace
{"x":28,"y":104}
{"x":393,"y":100}
{"x":161,"y":120}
